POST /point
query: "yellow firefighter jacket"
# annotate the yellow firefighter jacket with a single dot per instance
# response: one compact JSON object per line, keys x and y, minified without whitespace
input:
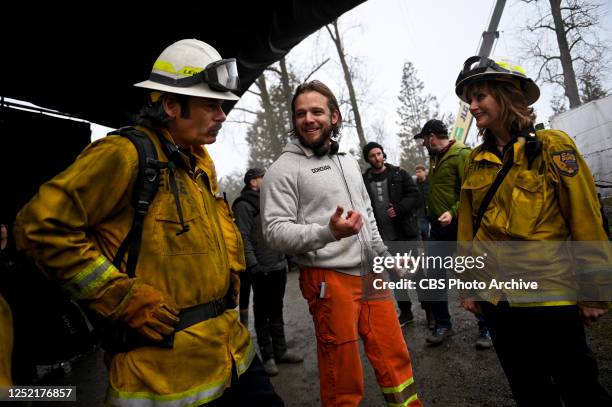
{"x":74,"y":226}
{"x":531,"y":218}
{"x":6,"y":344}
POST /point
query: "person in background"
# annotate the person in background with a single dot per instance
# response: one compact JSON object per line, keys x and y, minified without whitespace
{"x":423,"y":185}
{"x":394,"y":198}
{"x":267,"y":271}
{"x":445,"y":178}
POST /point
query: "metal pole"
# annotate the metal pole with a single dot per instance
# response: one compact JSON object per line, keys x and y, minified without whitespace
{"x":463,"y":121}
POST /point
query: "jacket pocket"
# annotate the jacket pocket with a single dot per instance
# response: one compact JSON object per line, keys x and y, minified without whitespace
{"x":526,"y":205}
{"x":477,"y":185}
{"x":170,"y":241}
{"x":310,"y":285}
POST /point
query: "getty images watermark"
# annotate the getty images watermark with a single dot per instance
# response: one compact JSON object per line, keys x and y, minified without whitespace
{"x":520,"y":271}
{"x":408,"y":264}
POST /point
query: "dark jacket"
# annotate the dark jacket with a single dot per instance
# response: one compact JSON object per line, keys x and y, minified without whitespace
{"x":257,"y":252}
{"x":404,"y":195}
{"x":423,"y":191}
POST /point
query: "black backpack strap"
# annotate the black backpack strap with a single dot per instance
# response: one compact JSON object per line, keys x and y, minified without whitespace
{"x":144,"y":191}
{"x":492,"y":190}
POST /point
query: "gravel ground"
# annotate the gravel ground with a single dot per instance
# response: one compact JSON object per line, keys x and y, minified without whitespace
{"x":452,"y":375}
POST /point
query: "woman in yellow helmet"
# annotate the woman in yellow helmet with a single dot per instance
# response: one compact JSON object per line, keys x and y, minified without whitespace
{"x":527,"y":200}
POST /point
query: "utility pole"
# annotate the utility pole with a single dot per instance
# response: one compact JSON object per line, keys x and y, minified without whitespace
{"x":464,"y":117}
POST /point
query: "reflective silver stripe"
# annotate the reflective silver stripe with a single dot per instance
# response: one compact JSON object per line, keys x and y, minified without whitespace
{"x":246,"y":360}
{"x":197,"y":396}
{"x":95,"y":275}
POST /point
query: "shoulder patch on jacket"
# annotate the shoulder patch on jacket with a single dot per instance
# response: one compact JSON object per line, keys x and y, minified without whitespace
{"x":566,"y":162}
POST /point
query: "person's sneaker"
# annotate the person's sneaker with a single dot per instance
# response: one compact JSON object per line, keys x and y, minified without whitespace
{"x":290,"y":357}
{"x":406,"y":317}
{"x":484,"y":340}
{"x":438,"y":336}
{"x":270,"y":367}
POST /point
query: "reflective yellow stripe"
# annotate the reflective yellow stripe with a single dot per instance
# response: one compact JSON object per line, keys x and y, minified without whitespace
{"x":401,"y":395}
{"x":399,"y":388}
{"x":194,"y":397}
{"x":412,"y":398}
{"x":92,"y":277}
{"x":542,"y":304}
{"x":553,"y":297}
{"x":249,"y":355}
{"x":167,"y":67}
{"x":511,"y":67}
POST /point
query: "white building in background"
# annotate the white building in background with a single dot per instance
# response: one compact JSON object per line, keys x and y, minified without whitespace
{"x":590,"y":125}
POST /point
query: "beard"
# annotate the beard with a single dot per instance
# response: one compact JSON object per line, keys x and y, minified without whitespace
{"x":313,"y":145}
{"x":377,"y":164}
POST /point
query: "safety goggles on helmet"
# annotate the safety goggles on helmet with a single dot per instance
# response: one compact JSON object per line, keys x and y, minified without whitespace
{"x":220,"y":75}
{"x":476,"y":65}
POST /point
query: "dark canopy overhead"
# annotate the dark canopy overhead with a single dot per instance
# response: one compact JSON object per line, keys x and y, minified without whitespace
{"x":85,"y":63}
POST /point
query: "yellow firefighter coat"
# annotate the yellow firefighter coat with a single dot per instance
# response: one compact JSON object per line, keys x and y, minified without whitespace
{"x":6,"y":344}
{"x":546,"y":205}
{"x":74,"y":226}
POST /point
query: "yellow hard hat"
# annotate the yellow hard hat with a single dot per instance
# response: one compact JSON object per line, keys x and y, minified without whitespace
{"x":477,"y":69}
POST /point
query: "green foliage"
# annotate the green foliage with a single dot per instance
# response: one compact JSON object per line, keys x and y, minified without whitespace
{"x":414,"y":110}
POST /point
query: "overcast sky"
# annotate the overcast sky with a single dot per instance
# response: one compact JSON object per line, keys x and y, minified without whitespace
{"x":437,"y":36}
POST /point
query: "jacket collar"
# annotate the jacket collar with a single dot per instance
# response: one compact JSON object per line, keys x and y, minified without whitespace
{"x":488,"y":151}
{"x":251,"y":196}
{"x":389,"y":168}
{"x":200,"y":154}
{"x":452,"y":150}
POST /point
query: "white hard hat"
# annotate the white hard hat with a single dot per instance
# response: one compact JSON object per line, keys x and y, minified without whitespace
{"x":192,"y":67}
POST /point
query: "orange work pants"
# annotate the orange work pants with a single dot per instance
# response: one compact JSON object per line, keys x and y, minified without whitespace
{"x":340,"y":318}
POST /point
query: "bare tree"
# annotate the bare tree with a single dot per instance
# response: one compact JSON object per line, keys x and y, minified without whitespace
{"x":286,"y":87}
{"x":334,"y":34}
{"x":379,"y":133}
{"x":268,"y":133}
{"x":579,"y":55}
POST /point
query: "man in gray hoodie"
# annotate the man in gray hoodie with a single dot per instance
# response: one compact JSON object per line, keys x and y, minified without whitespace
{"x":304,"y":195}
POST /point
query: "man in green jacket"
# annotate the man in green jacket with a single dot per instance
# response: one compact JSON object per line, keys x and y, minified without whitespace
{"x":447,"y":159}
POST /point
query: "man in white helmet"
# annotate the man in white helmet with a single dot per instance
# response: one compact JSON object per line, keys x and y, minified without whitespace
{"x":172,"y":298}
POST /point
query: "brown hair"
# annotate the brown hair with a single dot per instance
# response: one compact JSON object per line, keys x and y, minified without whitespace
{"x":515,"y":114}
{"x":420,"y":167}
{"x":332,"y":103}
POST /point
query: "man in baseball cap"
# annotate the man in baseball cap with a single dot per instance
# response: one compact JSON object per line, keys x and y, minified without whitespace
{"x":447,"y":158}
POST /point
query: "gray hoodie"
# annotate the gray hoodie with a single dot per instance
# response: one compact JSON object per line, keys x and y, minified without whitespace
{"x":300,"y":193}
